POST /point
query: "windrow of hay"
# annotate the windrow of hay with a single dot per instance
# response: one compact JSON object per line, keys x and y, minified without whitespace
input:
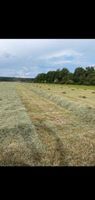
{"x":69,"y":140}
{"x":39,"y":112}
{"x":19,"y":142}
{"x":81,"y":110}
{"x":41,"y":127}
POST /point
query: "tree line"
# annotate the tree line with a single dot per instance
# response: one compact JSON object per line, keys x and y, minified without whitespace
{"x":15,"y":79}
{"x":85,"y":76}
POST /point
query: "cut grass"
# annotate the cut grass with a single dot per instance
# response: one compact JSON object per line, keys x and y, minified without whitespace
{"x":41,"y":127}
{"x":84,"y":97}
{"x":71,"y":101}
{"x":64,"y":92}
{"x":35,"y":109}
{"x":69,"y":140}
{"x":19,"y":142}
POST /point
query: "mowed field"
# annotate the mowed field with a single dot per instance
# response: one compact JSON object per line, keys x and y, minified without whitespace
{"x":47,"y":124}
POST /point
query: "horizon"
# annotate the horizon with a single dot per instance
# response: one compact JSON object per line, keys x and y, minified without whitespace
{"x":41,"y":73}
{"x":26,"y":58}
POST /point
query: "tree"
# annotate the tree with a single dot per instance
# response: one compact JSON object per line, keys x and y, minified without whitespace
{"x":50,"y":76}
{"x":79,"y":75}
{"x":90,"y":76}
{"x":64,"y":75}
{"x":40,"y":78}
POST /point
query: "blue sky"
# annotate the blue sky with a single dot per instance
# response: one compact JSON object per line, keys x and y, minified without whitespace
{"x":28,"y":57}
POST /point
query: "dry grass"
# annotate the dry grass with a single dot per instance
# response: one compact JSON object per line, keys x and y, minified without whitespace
{"x":69,"y":140}
{"x":39,"y":125}
{"x":76,"y":101}
{"x":39,"y":111}
{"x":19,"y":143}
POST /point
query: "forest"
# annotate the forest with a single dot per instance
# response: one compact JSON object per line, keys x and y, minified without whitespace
{"x":83,"y":76}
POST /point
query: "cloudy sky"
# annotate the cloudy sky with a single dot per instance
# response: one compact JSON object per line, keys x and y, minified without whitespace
{"x":28,"y":57}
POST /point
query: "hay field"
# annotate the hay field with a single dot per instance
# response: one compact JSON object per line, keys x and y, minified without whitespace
{"x":19,"y":143}
{"x":47,"y":124}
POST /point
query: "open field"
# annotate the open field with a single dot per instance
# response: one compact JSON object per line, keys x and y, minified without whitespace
{"x":47,"y":124}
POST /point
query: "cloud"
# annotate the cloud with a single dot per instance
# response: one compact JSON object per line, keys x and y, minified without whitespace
{"x":62,"y":61}
{"x":27,"y":71}
{"x":67,"y":52}
{"x":22,"y":72}
{"x":6,"y":54}
{"x":28,"y":57}
{"x":59,"y":58}
{"x":25,"y":68}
